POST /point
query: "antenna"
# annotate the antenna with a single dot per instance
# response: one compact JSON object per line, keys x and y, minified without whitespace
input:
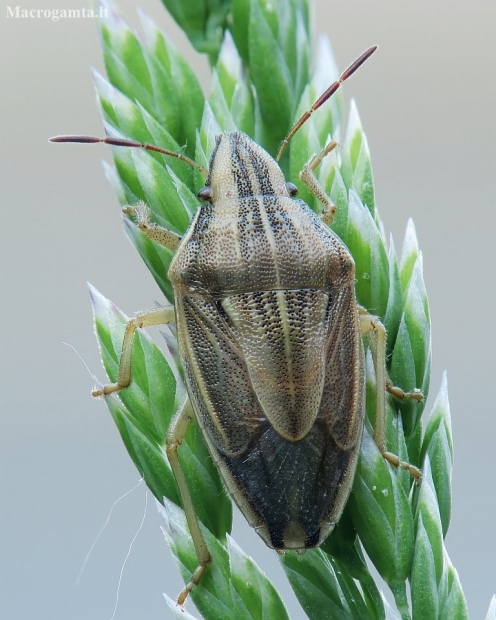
{"x":325,"y":96}
{"x":131,"y":143}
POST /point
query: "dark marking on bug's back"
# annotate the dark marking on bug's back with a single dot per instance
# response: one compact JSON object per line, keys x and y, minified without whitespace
{"x":302,"y":496}
{"x":241,"y":172}
{"x":250,"y":170}
{"x":239,"y":168}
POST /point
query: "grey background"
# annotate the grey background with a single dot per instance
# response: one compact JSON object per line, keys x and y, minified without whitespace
{"x":427,"y":102}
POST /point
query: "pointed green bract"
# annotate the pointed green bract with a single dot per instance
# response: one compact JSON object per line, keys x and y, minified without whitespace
{"x":395,"y":299}
{"x":429,"y":520}
{"x":152,"y":74}
{"x":230,"y":79}
{"x":425,"y":600}
{"x":344,"y":545}
{"x":179,"y":612}
{"x":203,"y":21}
{"x":272,"y":79}
{"x":253,"y":594}
{"x":367,"y":246}
{"x":438,"y":447}
{"x":491,"y":612}
{"x":411,"y":355}
{"x":356,"y":167}
{"x":453,"y":604}
{"x":317,"y":131}
{"x":382,"y":514}
{"x":436,"y":589}
{"x":325,"y":590}
{"x":154,"y":405}
{"x":391,"y":614}
{"x":409,"y":255}
{"x":212,"y":597}
{"x":233,"y":585}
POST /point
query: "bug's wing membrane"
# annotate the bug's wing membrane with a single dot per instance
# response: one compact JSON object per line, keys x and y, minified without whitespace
{"x":219,"y":385}
{"x":342,"y":404}
{"x":282,"y":336}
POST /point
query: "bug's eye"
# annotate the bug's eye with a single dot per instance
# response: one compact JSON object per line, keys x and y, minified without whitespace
{"x":205,"y":193}
{"x":292,"y":189}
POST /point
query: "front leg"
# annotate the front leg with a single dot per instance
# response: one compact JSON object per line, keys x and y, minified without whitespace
{"x":308,"y":177}
{"x":153,"y":231}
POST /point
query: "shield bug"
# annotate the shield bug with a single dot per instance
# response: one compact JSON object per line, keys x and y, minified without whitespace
{"x":270,"y":340}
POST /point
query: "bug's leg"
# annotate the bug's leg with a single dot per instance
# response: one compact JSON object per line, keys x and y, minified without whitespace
{"x":175,"y":436}
{"x":308,"y":177}
{"x":376,"y":335}
{"x":155,"y":232}
{"x":147,"y":318}
{"x":400,"y":394}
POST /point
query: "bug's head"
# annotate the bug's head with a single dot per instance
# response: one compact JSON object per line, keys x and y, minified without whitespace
{"x":239,"y":168}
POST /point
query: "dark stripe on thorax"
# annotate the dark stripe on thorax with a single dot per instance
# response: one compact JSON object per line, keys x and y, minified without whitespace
{"x":262,"y":174}
{"x":252,"y":173}
{"x":242,"y":175}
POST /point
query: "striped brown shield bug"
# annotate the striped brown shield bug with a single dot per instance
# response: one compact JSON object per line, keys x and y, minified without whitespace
{"x":270,"y":340}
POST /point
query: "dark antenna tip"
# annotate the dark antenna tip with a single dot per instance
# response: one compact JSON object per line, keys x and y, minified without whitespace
{"x":78,"y":139}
